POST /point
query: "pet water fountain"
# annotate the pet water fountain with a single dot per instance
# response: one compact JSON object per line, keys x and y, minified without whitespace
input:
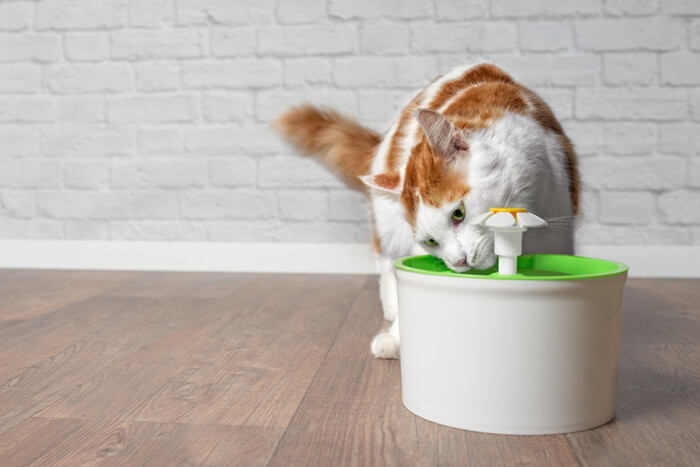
{"x":530,"y":347}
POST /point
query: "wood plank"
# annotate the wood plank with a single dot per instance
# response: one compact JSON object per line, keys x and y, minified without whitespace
{"x":70,"y":442}
{"x":353,"y":415}
{"x":258,"y":379}
{"x":658,"y":411}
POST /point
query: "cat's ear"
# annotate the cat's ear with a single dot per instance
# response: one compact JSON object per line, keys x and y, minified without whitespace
{"x":389,"y":183}
{"x":447,"y":140}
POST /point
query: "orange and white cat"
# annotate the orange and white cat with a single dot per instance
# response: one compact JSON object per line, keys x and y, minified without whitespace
{"x":472,"y":140}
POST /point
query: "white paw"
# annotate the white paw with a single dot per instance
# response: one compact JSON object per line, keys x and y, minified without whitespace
{"x":385,"y":345}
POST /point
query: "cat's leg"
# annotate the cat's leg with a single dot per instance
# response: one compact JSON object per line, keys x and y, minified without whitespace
{"x":386,"y":343}
{"x":388,"y":293}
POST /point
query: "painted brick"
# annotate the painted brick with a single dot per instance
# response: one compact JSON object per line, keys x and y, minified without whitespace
{"x":695,"y":35}
{"x":80,"y":109}
{"x":679,"y":138}
{"x":152,"y":109}
{"x":552,"y":70}
{"x":271,"y":103}
{"x":87,"y":46}
{"x":151,"y":13}
{"x":321,"y":231}
{"x":630,"y":104}
{"x":681,"y":7}
{"x":152,"y":173}
{"x":545,"y":36}
{"x":30,"y":109}
{"x":163,"y":230}
{"x":673,"y":207}
{"x":308,"y":71}
{"x":233,"y":172}
{"x":31,"y":229}
{"x":160,"y":142}
{"x":631,"y":7}
{"x":470,"y":37}
{"x":22,"y":47}
{"x":76,"y":205}
{"x":15,"y":16}
{"x":157,"y":76}
{"x":244,"y":73}
{"x":586,"y":136}
{"x":230,"y":107}
{"x":306,"y":40}
{"x":85,"y":230}
{"x":544,"y":8}
{"x":627,"y":138}
{"x":630,"y":69}
{"x":20,"y":78}
{"x":157,"y":44}
{"x":369,"y":9}
{"x":633,"y":235}
{"x":656,"y":34}
{"x":225,"y":11}
{"x":293,"y":172}
{"x":301,"y":11}
{"x":459,"y":10}
{"x":383,"y":106}
{"x":81,"y":79}
{"x":152,"y":204}
{"x":228,"y":204}
{"x":680,"y":69}
{"x":85,"y":140}
{"x":19,"y":141}
{"x":384,"y":38}
{"x":384,"y":72}
{"x":80,"y":14}
{"x":346,"y":205}
{"x":85,"y":175}
{"x":233,"y":42}
{"x":560,"y":100}
{"x":695,"y":104}
{"x":633,"y":173}
{"x":302,"y":204}
{"x":233,"y":141}
{"x":18,"y":203}
{"x":626,"y":207}
{"x":694,"y":173}
{"x":29,"y":173}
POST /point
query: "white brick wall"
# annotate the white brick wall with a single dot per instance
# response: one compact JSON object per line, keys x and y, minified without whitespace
{"x":148,"y":119}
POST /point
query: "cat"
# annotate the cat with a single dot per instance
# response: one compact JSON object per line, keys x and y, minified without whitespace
{"x":472,"y":140}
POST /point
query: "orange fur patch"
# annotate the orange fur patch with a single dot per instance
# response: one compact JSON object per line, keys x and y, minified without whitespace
{"x":340,"y":143}
{"x":431,"y":178}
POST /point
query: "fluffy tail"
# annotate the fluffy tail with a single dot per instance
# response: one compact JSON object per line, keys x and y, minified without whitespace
{"x":339,"y":142}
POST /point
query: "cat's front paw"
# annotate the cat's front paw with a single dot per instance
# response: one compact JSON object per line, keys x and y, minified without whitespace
{"x":385,"y":345}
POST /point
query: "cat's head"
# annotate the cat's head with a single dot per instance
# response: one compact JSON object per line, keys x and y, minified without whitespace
{"x":452,"y":175}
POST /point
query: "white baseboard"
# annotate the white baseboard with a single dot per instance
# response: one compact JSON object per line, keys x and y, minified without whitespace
{"x":354,"y":258}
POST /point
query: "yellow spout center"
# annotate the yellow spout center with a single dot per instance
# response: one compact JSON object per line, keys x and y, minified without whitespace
{"x":514,"y":211}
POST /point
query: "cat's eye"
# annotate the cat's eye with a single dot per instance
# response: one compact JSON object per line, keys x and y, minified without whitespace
{"x":430,"y":242}
{"x":458,"y":215}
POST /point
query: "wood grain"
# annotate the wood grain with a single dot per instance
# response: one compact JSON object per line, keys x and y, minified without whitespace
{"x":101,"y":368}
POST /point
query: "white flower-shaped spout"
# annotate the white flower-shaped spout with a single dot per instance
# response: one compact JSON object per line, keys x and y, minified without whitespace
{"x":508,"y":225}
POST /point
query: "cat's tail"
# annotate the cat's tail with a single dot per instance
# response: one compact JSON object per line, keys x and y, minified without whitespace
{"x":341,"y":143}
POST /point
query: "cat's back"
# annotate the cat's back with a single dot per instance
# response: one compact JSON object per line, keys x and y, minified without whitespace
{"x":392,"y":154}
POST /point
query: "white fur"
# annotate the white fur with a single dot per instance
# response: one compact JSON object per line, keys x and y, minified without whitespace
{"x":515,"y":162}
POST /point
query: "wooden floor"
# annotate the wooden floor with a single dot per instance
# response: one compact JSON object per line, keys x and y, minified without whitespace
{"x":167,"y":369}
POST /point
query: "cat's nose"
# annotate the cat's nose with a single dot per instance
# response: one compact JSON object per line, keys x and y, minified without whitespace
{"x":461,"y":262}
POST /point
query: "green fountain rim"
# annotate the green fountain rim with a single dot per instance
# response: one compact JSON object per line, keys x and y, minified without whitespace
{"x":539,"y":267}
